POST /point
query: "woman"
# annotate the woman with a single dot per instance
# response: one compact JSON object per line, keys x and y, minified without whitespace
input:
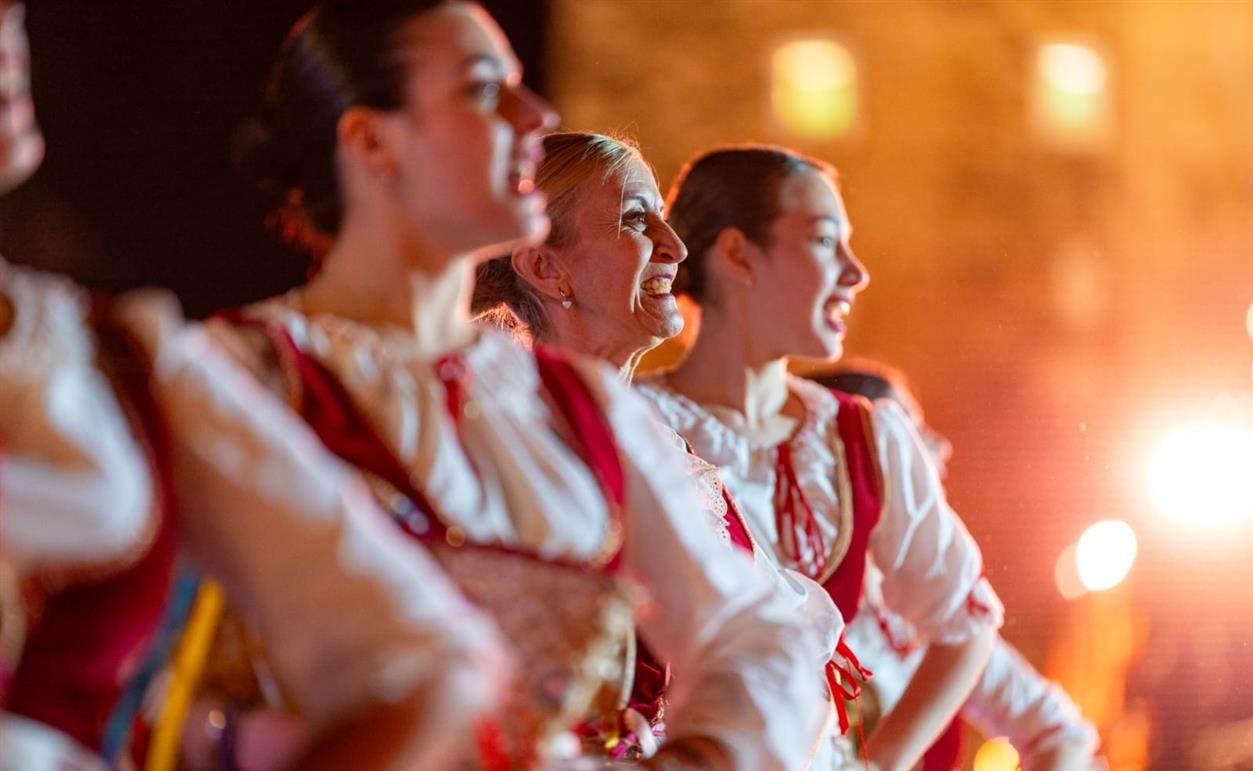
{"x":406,"y":146}
{"x":1011,"y":698}
{"x":600,"y":286}
{"x":822,"y":481}
{"x":125,"y":437}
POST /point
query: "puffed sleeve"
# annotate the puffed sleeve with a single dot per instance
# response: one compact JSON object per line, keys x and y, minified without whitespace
{"x":933,"y":570}
{"x":1013,"y":700}
{"x":352,"y":613}
{"x":75,"y":486}
{"x":748,"y":666}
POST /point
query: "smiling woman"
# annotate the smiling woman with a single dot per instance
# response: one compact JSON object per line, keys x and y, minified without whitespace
{"x":601,"y":282}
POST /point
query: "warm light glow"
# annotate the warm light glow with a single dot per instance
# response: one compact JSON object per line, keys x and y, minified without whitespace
{"x":1071,"y":95}
{"x":996,"y":755}
{"x":1072,"y":68}
{"x":1105,"y":553}
{"x":814,"y":88}
{"x":1203,"y":475}
{"x":1248,"y":321}
{"x":1066,"y":574}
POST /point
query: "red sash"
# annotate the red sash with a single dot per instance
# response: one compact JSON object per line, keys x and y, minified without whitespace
{"x":88,"y":639}
{"x":795,"y":517}
{"x":853,"y":422}
{"x":328,"y":408}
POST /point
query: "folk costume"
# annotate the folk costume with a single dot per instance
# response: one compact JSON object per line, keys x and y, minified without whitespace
{"x":851,"y":484}
{"x":131,"y":441}
{"x":1011,"y":699}
{"x":504,"y":452}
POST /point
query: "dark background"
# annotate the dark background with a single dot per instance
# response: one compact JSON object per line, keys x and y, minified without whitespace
{"x":139,"y":102}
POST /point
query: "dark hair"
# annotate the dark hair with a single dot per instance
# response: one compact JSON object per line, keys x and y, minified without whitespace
{"x":571,"y":158}
{"x":872,"y":379}
{"x":340,"y":54}
{"x":729,"y":187}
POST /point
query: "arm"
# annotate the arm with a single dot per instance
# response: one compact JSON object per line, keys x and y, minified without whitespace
{"x":372,"y":645}
{"x":933,"y":578}
{"x":749,"y":691}
{"x":933,"y":696}
{"x":1012,"y":699}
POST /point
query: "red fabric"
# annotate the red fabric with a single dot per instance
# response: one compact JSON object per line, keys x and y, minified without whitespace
{"x":736,"y":526}
{"x":853,"y":423}
{"x":800,"y":538}
{"x":88,"y":638}
{"x":945,"y":754}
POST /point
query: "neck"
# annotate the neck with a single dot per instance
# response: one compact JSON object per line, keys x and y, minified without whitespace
{"x":720,"y":370}
{"x":373,"y":278}
{"x":563,"y":332}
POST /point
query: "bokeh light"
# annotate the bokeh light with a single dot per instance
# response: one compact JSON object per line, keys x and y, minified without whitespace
{"x":996,"y":755}
{"x":1105,"y":553}
{"x":1066,"y":575}
{"x":1202,"y":475}
{"x":1071,"y":95}
{"x":814,"y":88}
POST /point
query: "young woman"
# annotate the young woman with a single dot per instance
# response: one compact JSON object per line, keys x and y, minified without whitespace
{"x":600,"y":286}
{"x":823,"y":481}
{"x":402,"y":139}
{"x":124,"y":438}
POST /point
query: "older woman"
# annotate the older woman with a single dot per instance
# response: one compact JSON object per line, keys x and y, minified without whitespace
{"x":824,"y":481}
{"x":600,"y":286}
{"x":401,"y":138}
{"x":124,"y":436}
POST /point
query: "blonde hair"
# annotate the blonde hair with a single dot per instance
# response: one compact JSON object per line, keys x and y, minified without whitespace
{"x":571,"y":159}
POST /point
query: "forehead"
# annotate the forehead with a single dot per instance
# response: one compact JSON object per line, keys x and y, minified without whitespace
{"x":633,"y":179}
{"x":810,"y":194}
{"x":453,"y":37}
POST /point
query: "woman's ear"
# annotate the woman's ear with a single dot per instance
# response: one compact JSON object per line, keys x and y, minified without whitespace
{"x":735,"y":256}
{"x":539,"y":267}
{"x":365,"y":138}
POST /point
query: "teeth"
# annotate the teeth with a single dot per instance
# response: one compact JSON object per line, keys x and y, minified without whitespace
{"x":657,"y":285}
{"x":838,"y":307}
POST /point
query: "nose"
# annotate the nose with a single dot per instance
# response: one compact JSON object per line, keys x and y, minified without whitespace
{"x":853,"y":273}
{"x":531,"y":112}
{"x":667,"y":246}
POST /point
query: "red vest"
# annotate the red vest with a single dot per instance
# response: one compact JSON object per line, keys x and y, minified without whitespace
{"x":87,"y":639}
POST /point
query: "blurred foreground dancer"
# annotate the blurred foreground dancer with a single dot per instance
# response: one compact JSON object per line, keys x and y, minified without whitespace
{"x":1011,"y":698}
{"x":600,"y":286}
{"x":825,"y":481}
{"x":123,"y":438}
{"x":405,"y":147}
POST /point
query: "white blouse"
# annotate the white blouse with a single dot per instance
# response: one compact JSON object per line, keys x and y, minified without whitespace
{"x":294,"y":537}
{"x":1010,"y":699}
{"x":75,"y":486}
{"x":751,"y":666}
{"x":933,"y":568}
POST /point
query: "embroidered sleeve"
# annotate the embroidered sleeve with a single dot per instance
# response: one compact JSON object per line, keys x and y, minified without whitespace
{"x":77,"y":487}
{"x":933,"y":570}
{"x":1013,"y":700}
{"x":360,"y":615}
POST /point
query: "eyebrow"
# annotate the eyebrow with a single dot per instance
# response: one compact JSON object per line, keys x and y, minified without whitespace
{"x":842,"y":226}
{"x":501,"y":65}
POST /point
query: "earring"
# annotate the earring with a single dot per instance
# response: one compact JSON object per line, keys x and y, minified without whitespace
{"x":567,"y":301}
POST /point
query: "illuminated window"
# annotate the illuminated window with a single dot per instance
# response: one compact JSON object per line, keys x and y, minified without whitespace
{"x":814,"y":88}
{"x":1071,"y":96}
